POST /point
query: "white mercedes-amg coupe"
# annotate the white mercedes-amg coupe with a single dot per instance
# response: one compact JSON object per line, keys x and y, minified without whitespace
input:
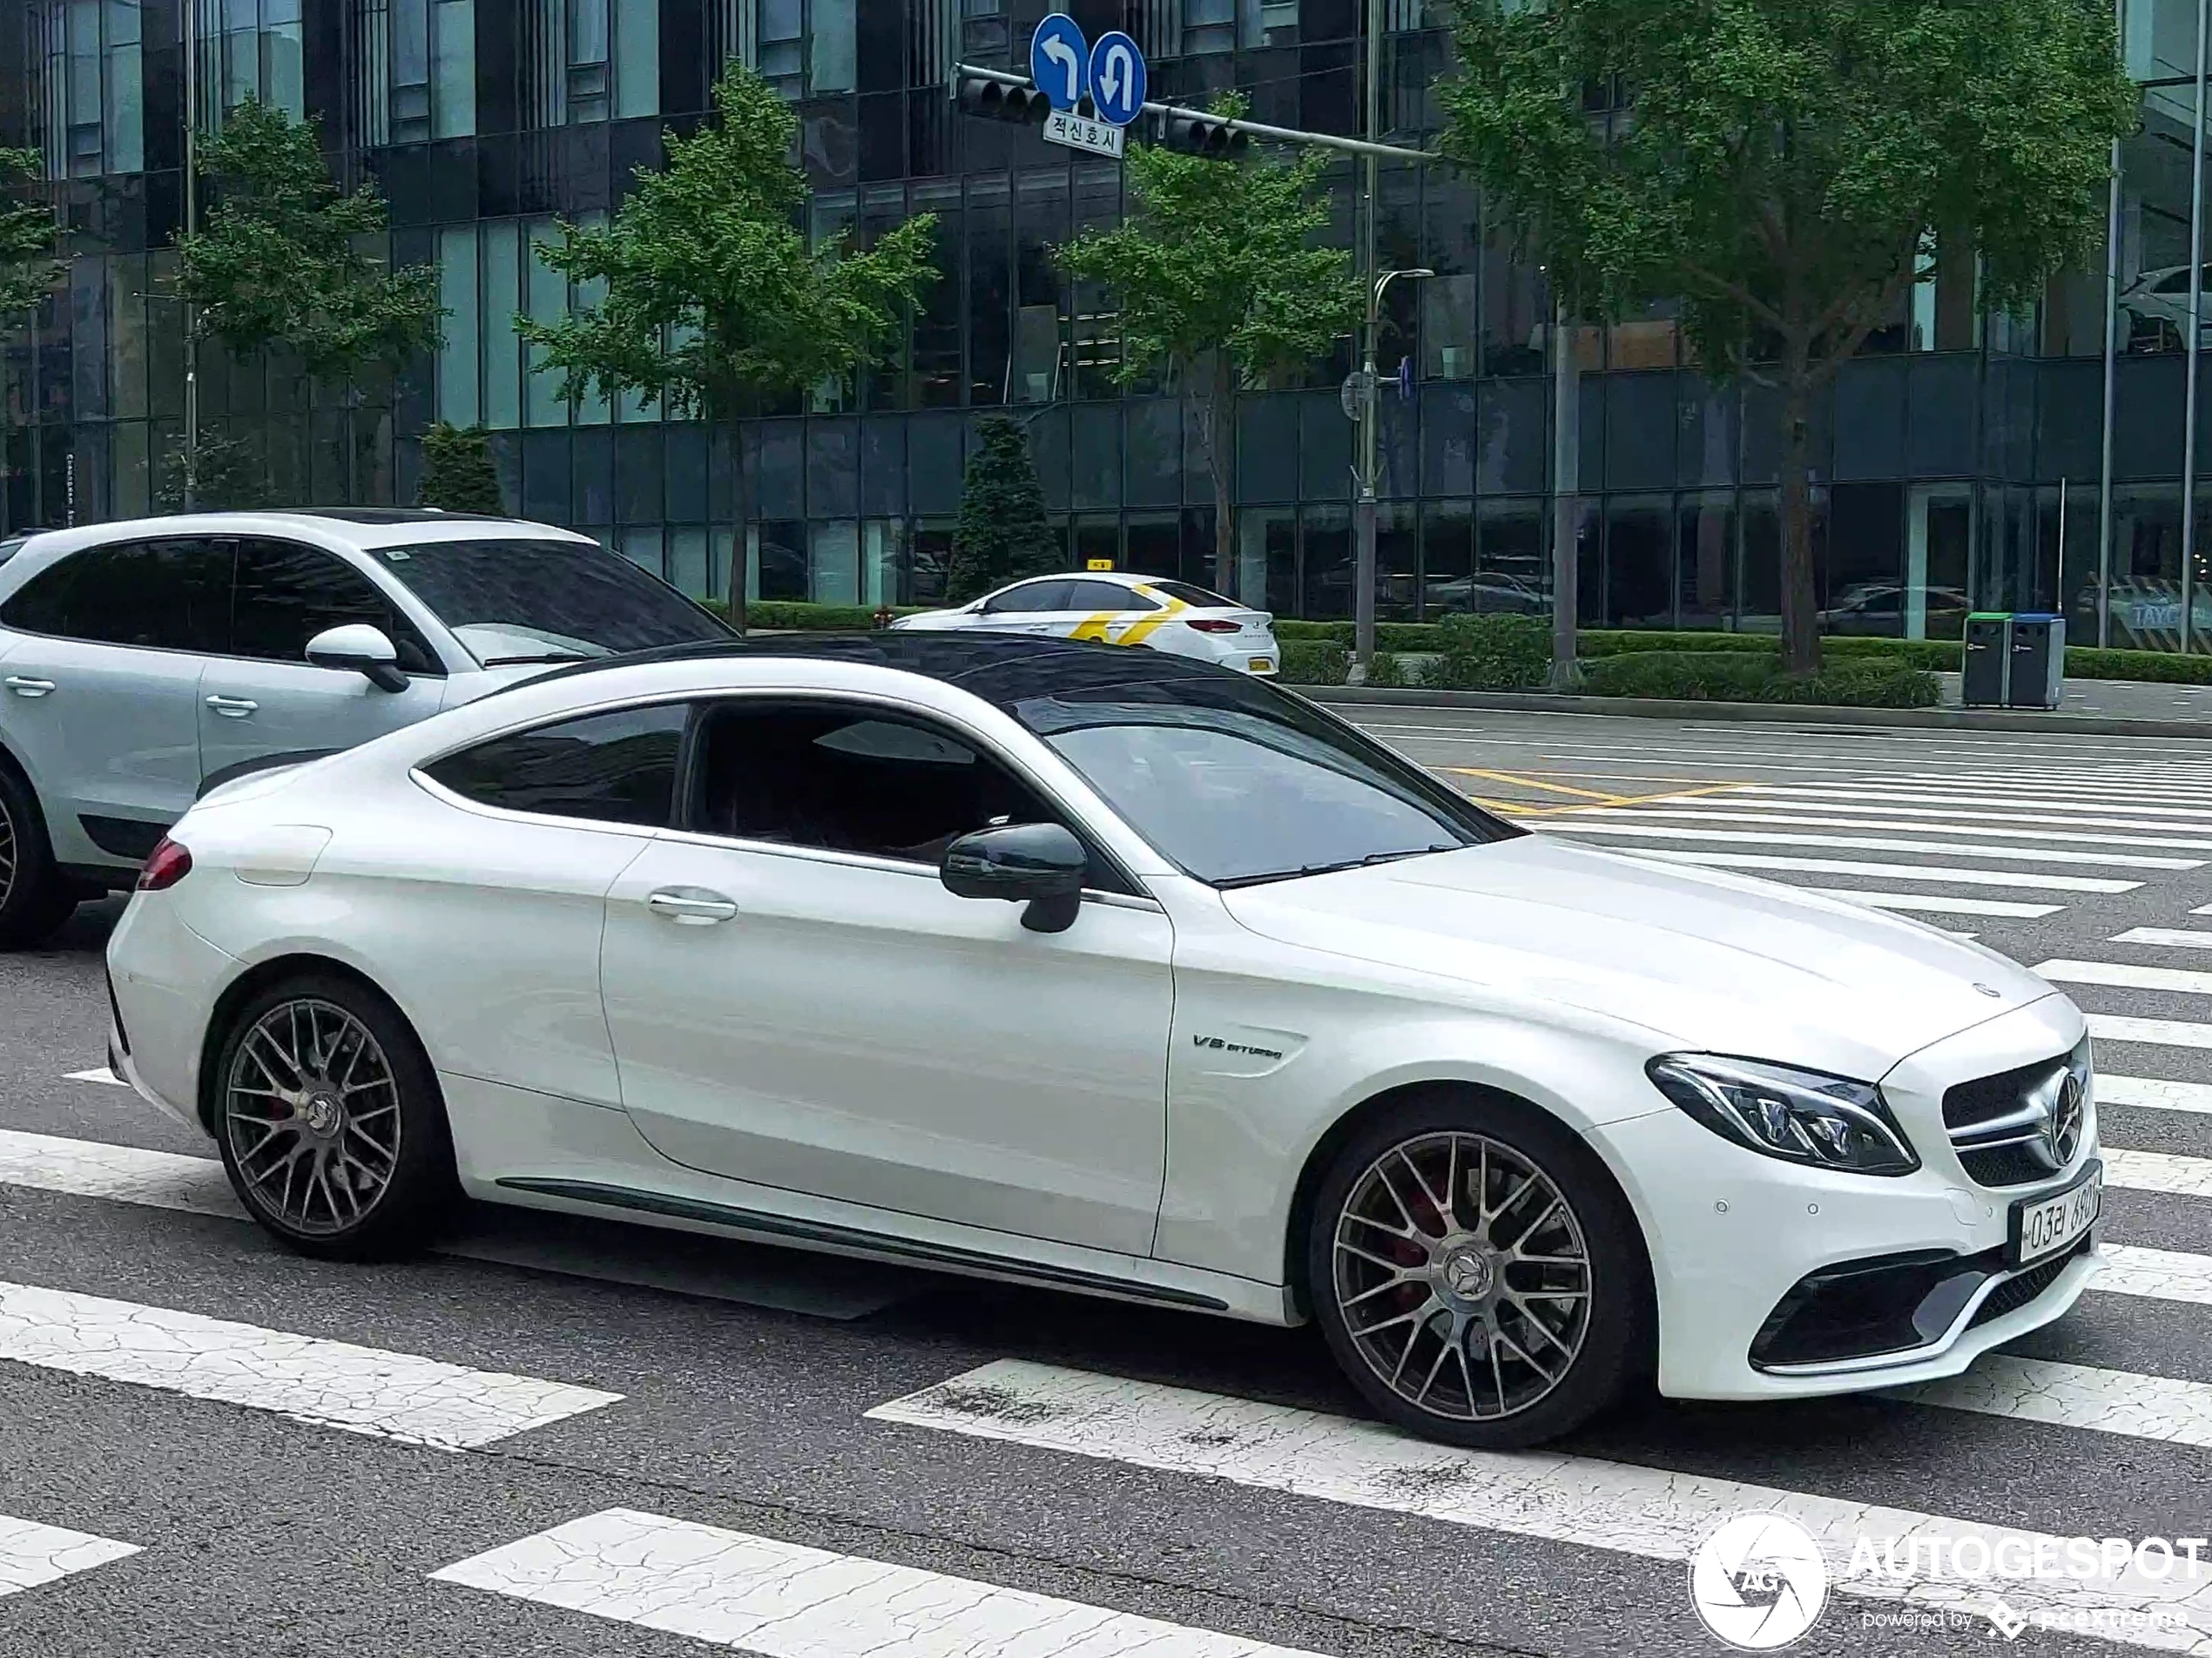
{"x":1118,"y":972}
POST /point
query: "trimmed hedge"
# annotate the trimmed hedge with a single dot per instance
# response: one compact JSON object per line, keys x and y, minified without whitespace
{"x":794,"y":616}
{"x":1389,"y":671}
{"x":1492,"y":653}
{"x":1736,"y":676}
{"x":1314,"y":662}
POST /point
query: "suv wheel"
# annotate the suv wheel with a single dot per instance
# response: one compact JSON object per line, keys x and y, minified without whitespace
{"x":35,"y":898}
{"x":330,"y":1120}
{"x":1477,"y":1276}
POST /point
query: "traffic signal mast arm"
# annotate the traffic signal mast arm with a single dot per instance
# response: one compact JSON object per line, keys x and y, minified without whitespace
{"x":967,"y":73}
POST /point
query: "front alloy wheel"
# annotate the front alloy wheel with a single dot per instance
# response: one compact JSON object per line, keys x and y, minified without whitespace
{"x":330,"y":1120}
{"x":34,"y":898}
{"x":1478,"y":1278}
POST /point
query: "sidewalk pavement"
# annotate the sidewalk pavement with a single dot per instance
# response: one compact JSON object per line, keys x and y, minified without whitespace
{"x":2089,"y":708}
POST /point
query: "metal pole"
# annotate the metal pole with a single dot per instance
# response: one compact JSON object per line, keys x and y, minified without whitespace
{"x":1363,"y":525}
{"x":2196,"y":325}
{"x":1567,"y":446}
{"x":188,"y":11}
{"x":2112,"y":353}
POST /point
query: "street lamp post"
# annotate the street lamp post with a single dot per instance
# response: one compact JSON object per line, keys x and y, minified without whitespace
{"x":1363,"y":612}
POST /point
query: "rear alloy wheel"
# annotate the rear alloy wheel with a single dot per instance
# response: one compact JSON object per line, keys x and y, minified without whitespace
{"x":1478,"y":1280}
{"x":35,"y":898}
{"x":330,"y":1123}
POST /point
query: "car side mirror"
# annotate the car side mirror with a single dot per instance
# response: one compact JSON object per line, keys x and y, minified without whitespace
{"x":1041,"y":864}
{"x":360,"y":649}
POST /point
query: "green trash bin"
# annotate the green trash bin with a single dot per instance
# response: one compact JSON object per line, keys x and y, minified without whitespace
{"x":1986,"y":671}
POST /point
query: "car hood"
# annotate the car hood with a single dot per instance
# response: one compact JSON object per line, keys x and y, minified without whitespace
{"x":1703,"y":959}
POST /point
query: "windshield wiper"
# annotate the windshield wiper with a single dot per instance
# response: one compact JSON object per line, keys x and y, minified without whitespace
{"x":551,"y":656}
{"x":1305,"y":870}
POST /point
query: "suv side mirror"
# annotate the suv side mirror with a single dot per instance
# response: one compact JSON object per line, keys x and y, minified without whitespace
{"x":1041,"y":864}
{"x":359,"y":649}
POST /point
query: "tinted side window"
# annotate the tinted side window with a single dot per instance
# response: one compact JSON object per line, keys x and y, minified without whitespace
{"x":1029,"y":598}
{"x":171,"y":595}
{"x":287,"y":594}
{"x":1204,"y":598}
{"x":850,"y":779}
{"x":613,"y":768}
{"x":1106,"y":595}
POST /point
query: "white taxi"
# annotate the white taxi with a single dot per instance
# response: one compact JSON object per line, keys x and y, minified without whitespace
{"x":1117,"y":607}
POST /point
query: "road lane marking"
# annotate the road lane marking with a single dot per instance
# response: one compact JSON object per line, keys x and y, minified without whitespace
{"x":2172,"y":938}
{"x":1906,"y":797}
{"x":1584,"y":825}
{"x":2157,"y":1274}
{"x":1521,"y":781}
{"x":782,"y":1601}
{"x":2154,"y":1094}
{"x":2074,"y":1396}
{"x":32,"y":1554}
{"x":1933,"y":904}
{"x":1911,"y":817}
{"x":2156,"y":1033}
{"x":362,"y":1389}
{"x":1553,"y":1496}
{"x":1891,"y":872}
{"x":100,"y":1074}
{"x":1696,"y":814}
{"x":2158,"y":1171}
{"x":818,"y":1286}
{"x":2126,"y":976}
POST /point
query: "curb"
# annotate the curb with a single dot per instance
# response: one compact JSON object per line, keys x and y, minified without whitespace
{"x":1967,"y":719}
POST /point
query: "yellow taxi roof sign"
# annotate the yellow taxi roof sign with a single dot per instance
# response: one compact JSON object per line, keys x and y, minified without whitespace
{"x":1099,"y":563}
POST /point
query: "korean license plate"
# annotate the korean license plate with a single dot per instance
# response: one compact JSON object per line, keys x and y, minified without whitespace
{"x":2044,"y":1226}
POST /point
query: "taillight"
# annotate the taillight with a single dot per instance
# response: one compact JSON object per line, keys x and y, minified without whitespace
{"x":1213,"y":625}
{"x":168,"y":864}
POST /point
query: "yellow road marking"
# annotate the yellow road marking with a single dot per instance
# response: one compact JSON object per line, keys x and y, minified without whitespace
{"x":1521,"y":782}
{"x":1531,"y":809}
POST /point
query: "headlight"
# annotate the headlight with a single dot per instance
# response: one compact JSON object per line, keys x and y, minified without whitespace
{"x":1801,"y":1116}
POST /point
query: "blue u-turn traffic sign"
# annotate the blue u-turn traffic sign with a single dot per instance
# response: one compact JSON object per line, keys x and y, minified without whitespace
{"x":1116,"y":78}
{"x":1060,"y":61}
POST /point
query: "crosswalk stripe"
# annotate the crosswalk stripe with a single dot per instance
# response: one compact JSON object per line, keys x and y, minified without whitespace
{"x":2154,"y":1094}
{"x":121,"y":1173}
{"x":2158,"y":1171}
{"x":1606,"y":825}
{"x":32,"y":1554}
{"x":2172,"y":937}
{"x":363,"y":1390}
{"x":1698,"y":813}
{"x":2074,"y":1396}
{"x":784,"y":1600}
{"x":1914,"y":817}
{"x":2064,"y":785}
{"x":2157,"y":1033}
{"x":99,"y":1075}
{"x":1892,"y":871}
{"x":1911,"y":797}
{"x":2158,"y":1275}
{"x":1552,"y":1496}
{"x":1936,"y":904}
{"x":2127,"y":976}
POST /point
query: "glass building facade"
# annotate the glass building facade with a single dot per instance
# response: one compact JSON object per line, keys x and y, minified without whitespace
{"x":1969,"y":458}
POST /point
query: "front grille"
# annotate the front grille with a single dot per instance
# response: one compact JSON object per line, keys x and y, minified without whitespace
{"x":2016,"y":1292}
{"x":2006,"y":1166}
{"x":2003,"y":1126}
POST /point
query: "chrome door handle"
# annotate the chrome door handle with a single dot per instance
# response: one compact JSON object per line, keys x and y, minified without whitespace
{"x":232,"y":707}
{"x":690,"y":909}
{"x":24,"y":687}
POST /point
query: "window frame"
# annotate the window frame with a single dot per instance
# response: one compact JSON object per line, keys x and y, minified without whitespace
{"x":988,"y":606}
{"x":1105,"y":865}
{"x":419,"y":770}
{"x":400,"y":601}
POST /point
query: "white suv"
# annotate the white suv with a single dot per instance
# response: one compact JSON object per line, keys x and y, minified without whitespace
{"x":142,"y":663}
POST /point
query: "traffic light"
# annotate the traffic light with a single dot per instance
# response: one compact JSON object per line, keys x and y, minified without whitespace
{"x":1196,"y":132}
{"x":1023,"y":104}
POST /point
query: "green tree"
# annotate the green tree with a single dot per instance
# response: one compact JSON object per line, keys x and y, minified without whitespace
{"x":227,"y":475}
{"x":457,"y":471}
{"x":1216,"y":271}
{"x":1785,"y":169}
{"x":28,"y":237}
{"x":280,"y":263}
{"x":711,"y":295}
{"x":1002,"y":533}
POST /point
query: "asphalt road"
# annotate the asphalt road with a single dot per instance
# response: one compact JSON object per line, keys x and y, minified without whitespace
{"x":277,"y":1501}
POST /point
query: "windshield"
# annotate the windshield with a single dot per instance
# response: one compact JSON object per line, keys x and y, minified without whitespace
{"x":546,"y":601}
{"x":1239,"y":783}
